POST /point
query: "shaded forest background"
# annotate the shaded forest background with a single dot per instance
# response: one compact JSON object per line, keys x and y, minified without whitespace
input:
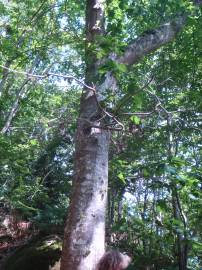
{"x":155,"y":177}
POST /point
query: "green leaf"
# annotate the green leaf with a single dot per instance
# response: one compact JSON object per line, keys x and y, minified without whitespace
{"x":135,"y":119}
{"x":145,"y":172}
{"x":33,"y":142}
{"x":121,"y":177}
{"x":121,"y":67}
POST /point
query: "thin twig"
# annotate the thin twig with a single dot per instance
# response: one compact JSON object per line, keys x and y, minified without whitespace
{"x":114,"y":118}
{"x":132,"y":94}
{"x":48,"y":74}
{"x":108,"y":114}
{"x":106,"y":127}
{"x":139,"y":113}
{"x":159,"y":103}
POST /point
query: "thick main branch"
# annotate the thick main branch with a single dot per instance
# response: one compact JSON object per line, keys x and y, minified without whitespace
{"x":152,"y":40}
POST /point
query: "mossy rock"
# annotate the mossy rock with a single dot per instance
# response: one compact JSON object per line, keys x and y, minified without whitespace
{"x":43,"y":254}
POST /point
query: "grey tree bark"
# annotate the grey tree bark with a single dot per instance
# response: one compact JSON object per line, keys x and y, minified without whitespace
{"x":85,"y":229}
{"x":84,"y":232}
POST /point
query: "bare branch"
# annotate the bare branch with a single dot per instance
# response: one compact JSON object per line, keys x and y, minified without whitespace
{"x":143,"y":114}
{"x":159,"y":102}
{"x":14,"y":108}
{"x":152,"y":40}
{"x":48,"y":74}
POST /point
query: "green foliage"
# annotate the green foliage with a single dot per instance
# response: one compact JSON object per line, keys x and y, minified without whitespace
{"x":36,"y":149}
{"x":162,"y":159}
{"x":155,"y":177}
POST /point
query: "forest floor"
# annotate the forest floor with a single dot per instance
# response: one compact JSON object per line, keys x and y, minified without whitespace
{"x":14,"y":233}
{"x":9,"y":242}
{"x":25,"y":247}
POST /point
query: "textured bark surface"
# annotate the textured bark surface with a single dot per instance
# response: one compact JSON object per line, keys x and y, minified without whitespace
{"x":152,"y":40}
{"x":84,"y":233}
{"x":85,"y":229}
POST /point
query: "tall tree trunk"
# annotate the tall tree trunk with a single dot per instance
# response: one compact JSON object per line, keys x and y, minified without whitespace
{"x":85,"y":229}
{"x":177,"y":210}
